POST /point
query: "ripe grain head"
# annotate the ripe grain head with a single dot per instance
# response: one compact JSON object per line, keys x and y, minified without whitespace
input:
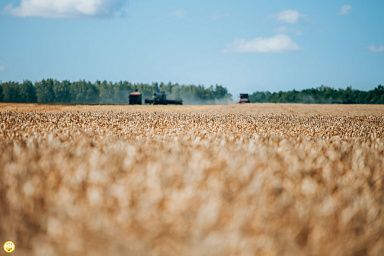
{"x":243,"y":180}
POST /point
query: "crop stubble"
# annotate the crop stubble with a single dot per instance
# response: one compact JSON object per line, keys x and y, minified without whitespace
{"x":192,"y":180}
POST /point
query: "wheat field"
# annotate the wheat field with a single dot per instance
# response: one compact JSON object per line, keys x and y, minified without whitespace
{"x":257,"y":179}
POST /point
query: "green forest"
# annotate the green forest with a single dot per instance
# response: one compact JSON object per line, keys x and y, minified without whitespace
{"x":103,"y":92}
{"x":322,"y":94}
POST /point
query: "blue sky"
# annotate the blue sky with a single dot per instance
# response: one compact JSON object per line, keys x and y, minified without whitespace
{"x":243,"y":45}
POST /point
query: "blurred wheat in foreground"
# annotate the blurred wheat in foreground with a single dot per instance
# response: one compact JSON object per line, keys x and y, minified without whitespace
{"x":203,"y":180}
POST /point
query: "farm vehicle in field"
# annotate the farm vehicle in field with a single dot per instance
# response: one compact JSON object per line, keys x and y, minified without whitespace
{"x":135,"y":98}
{"x":244,"y":98}
{"x":160,"y":98}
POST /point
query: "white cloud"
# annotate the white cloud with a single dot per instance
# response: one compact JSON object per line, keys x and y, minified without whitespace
{"x":345,"y":10}
{"x":179,"y":13}
{"x":376,"y":48}
{"x":275,"y":44}
{"x":66,"y":8}
{"x":288,"y":16}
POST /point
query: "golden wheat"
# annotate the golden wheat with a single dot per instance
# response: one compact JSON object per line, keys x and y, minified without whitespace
{"x":203,"y":180}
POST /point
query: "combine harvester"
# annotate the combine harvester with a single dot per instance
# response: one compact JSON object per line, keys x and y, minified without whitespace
{"x":160,"y":98}
{"x":244,"y":98}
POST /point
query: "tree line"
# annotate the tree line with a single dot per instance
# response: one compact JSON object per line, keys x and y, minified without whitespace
{"x":103,"y":92}
{"x":322,"y":94}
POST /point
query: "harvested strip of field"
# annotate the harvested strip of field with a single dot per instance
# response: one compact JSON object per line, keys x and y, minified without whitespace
{"x":192,"y":180}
